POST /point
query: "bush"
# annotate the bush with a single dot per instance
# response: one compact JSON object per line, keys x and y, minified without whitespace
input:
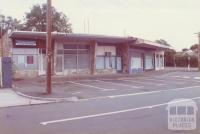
{"x":182,"y":61}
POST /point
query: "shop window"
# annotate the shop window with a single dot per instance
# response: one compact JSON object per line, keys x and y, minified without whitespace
{"x":83,"y":47}
{"x":136,"y":63}
{"x":75,"y":56}
{"x":100,"y":63}
{"x":104,"y":62}
{"x":70,"y":51}
{"x":59,"y":51}
{"x":70,"y":61}
{"x":20,"y":59}
{"x":72,"y":46}
{"x":83,"y":62}
{"x":29,"y":59}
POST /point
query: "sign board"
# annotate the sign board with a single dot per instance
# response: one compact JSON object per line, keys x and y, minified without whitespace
{"x":25,"y":43}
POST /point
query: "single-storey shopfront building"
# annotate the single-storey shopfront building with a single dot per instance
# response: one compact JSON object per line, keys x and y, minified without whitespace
{"x":84,"y":54}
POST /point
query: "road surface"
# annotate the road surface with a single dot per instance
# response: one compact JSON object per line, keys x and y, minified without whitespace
{"x":125,"y":113}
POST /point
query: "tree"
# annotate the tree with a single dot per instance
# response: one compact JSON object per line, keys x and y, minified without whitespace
{"x":163,"y":42}
{"x":8,"y":22}
{"x":36,"y":20}
{"x":194,"y":47}
{"x":170,"y":57}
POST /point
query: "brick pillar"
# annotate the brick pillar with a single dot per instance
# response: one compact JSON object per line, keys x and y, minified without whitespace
{"x":143,"y":61}
{"x":123,"y":52}
{"x":93,"y":57}
{"x":154,"y":58}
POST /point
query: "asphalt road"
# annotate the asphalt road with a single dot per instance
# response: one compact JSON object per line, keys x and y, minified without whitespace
{"x":116,"y":112}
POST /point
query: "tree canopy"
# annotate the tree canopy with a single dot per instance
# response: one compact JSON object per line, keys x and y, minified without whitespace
{"x":194,"y":47}
{"x":8,"y":22}
{"x":36,"y":20}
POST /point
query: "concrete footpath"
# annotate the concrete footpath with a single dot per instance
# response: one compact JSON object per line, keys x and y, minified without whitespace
{"x":9,"y":98}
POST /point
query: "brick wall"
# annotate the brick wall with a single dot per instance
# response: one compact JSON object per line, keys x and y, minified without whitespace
{"x":122,"y":51}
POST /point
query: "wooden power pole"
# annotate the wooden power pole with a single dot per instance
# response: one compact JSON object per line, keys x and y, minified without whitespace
{"x":199,"y":52}
{"x":49,"y":47}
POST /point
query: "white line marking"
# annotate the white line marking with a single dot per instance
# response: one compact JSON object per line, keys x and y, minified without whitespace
{"x":181,"y":79}
{"x":158,"y":80}
{"x":186,"y":77}
{"x":139,"y":93}
{"x":112,"y":113}
{"x":88,"y":85}
{"x":175,"y":76}
{"x":76,"y":93}
{"x":197,"y":78}
{"x":149,"y":83}
{"x":120,"y":84}
{"x":109,"y":90}
{"x":151,"y":92}
{"x":87,"y":80}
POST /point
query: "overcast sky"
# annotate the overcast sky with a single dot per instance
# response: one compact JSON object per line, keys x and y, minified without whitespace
{"x":176,"y":21}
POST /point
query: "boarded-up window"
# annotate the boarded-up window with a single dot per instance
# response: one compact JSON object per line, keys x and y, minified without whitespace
{"x":29,"y":59}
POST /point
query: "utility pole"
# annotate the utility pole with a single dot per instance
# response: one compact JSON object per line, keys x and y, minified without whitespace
{"x":49,"y":47}
{"x":1,"y":42}
{"x":199,"y":52}
{"x":2,"y":48}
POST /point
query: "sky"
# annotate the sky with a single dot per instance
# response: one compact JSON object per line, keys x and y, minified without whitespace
{"x":175,"y":21}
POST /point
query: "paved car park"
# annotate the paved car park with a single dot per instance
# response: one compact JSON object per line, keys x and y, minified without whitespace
{"x":103,"y":87}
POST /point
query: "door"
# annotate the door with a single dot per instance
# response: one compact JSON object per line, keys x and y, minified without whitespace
{"x":119,"y":64}
{"x":149,"y":61}
{"x":59,"y":65}
{"x":42,"y":62}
